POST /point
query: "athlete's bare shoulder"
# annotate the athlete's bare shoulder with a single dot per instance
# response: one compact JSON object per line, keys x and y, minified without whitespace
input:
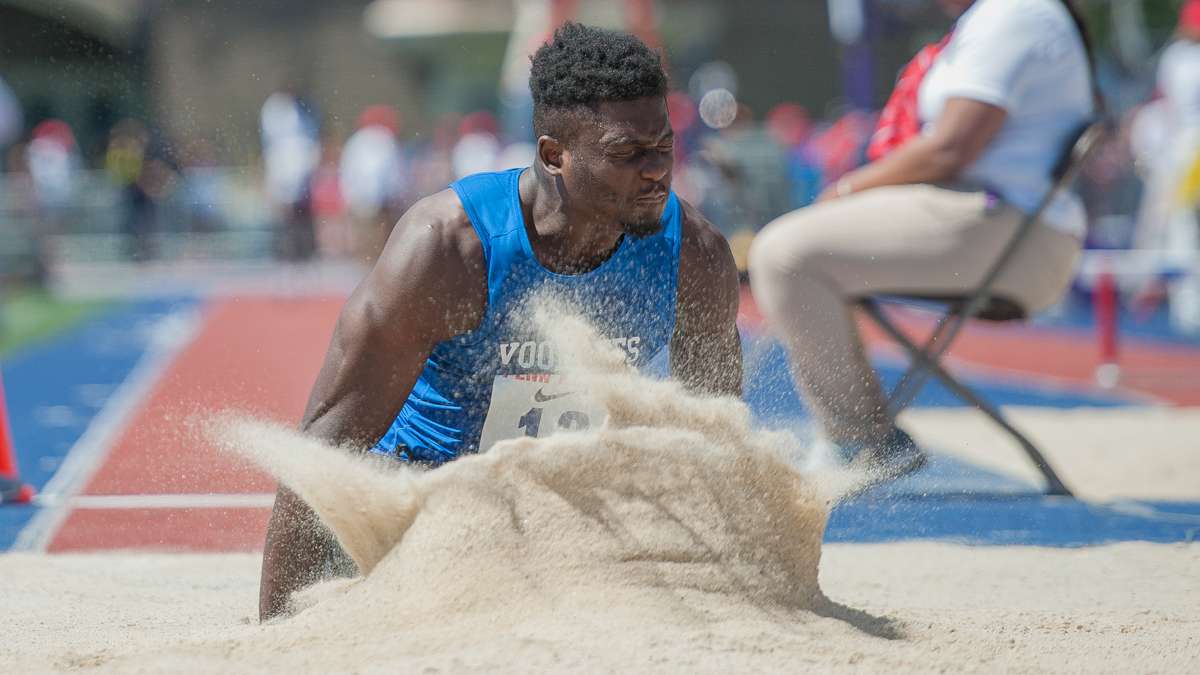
{"x":704,"y":251}
{"x":433,"y":266}
{"x":437,"y":226}
{"x":706,"y":352}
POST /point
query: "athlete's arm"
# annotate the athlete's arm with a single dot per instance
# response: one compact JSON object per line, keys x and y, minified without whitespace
{"x":428,"y":285}
{"x":706,"y":350}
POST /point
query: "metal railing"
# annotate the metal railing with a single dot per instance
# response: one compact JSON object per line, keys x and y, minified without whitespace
{"x":217,"y":213}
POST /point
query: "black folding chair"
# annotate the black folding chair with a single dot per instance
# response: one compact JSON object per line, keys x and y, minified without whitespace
{"x":981,"y":304}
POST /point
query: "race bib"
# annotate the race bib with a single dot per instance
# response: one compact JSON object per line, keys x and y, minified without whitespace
{"x":536,"y":405}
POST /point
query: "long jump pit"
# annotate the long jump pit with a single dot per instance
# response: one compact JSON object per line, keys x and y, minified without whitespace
{"x":676,"y":537}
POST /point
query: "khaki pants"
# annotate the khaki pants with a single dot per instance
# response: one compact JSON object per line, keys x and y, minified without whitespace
{"x":808,"y":266}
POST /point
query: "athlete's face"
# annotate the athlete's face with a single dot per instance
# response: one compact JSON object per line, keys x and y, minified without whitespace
{"x":619,"y":164}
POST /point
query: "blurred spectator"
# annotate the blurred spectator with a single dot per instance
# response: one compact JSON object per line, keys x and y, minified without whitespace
{"x":745,"y":182}
{"x":1179,"y":68}
{"x":201,"y":187}
{"x":16,"y":165}
{"x":53,"y":161}
{"x":478,"y":147}
{"x":10,"y":117}
{"x":1110,"y":189}
{"x":682,"y":112}
{"x":125,"y":162}
{"x":1166,"y":139}
{"x":964,"y":150}
{"x":839,"y":147}
{"x":20,"y":258}
{"x":373,"y":181}
{"x":516,"y":155}
{"x":328,"y":204}
{"x":291,"y":145}
{"x":790,"y":126}
{"x":432,"y":167}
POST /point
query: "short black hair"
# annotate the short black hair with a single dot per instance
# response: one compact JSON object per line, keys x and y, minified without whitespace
{"x":582,"y":66}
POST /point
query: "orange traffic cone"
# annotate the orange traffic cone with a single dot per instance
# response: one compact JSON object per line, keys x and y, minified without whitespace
{"x":12,"y":490}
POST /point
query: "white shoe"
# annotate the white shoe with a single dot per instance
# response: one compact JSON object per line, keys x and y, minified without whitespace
{"x":826,"y":455}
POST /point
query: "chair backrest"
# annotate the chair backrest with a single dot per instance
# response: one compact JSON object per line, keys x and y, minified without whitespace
{"x":982,"y":304}
{"x":1085,"y":140}
{"x":1082,"y":143}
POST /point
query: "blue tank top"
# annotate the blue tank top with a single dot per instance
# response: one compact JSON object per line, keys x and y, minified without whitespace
{"x":629,"y":298}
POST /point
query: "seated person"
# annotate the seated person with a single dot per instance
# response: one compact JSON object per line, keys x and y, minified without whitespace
{"x":965,"y":149}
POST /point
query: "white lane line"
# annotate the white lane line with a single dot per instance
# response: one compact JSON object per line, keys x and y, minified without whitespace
{"x":175,"y":501}
{"x":169,"y":336}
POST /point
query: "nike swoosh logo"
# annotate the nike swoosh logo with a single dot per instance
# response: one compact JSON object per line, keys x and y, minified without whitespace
{"x":539,"y":397}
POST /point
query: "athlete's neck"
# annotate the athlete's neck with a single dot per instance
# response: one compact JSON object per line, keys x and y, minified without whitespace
{"x":565,"y":240}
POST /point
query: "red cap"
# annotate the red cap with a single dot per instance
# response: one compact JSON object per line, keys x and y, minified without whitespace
{"x":381,"y":116}
{"x":789,"y":123}
{"x":681,"y":110}
{"x":478,"y":122}
{"x":1189,"y":16}
{"x":57,"y":131}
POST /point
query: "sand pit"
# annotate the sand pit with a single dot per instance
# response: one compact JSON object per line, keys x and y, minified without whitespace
{"x":672,"y":521}
{"x":672,"y":518}
{"x":1101,"y":453}
{"x":545,"y":555}
{"x":674,"y":538}
{"x":920,"y":607}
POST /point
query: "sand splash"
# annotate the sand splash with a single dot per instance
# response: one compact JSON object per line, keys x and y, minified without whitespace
{"x":675,"y":514}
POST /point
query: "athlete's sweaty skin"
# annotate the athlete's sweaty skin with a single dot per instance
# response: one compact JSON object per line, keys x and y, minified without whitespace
{"x":430,"y":284}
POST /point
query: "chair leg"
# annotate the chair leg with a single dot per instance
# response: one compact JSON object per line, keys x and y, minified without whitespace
{"x":909,"y":384}
{"x":938,"y":343}
{"x":913,"y":379}
{"x":1054,"y":485}
{"x":875,"y":313}
{"x":923,"y":364}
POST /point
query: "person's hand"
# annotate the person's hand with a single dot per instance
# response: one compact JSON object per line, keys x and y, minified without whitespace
{"x":840,"y":188}
{"x":828,"y":194}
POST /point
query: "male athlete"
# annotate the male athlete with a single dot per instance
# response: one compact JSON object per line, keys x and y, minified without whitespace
{"x":430,"y":359}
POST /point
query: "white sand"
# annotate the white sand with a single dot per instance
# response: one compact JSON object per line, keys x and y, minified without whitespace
{"x":1122,"y":608}
{"x":672,"y":539}
{"x":1100,"y":453}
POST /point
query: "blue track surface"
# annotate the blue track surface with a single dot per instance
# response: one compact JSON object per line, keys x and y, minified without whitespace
{"x":951,"y":500}
{"x":56,"y":389}
{"x":770,"y":393}
{"x":1030,"y":520}
{"x":1076,"y":314}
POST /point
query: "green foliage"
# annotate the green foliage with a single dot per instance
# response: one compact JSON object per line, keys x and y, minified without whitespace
{"x":28,"y":316}
{"x":1160,"y":17}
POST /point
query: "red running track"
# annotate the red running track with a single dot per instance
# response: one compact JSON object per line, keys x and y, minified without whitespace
{"x":261,"y":355}
{"x":1168,"y":373}
{"x":255,"y":355}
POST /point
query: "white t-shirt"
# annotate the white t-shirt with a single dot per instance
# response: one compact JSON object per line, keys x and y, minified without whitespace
{"x":1179,"y":80}
{"x":10,"y":116}
{"x":1027,"y":57}
{"x":371,"y":172}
